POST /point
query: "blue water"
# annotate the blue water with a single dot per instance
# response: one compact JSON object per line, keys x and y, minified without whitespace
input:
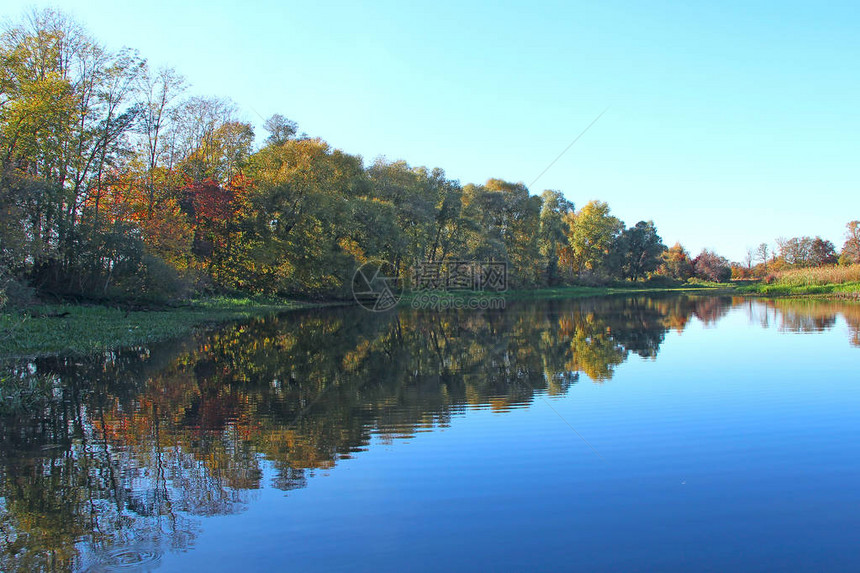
{"x":733,"y":444}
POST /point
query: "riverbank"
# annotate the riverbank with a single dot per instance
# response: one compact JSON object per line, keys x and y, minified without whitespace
{"x":576,"y":291}
{"x":46,"y":330}
{"x":69,"y":329}
{"x":416,"y":299}
{"x":838,"y":291}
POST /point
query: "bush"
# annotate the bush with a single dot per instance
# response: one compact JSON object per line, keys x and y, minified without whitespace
{"x":14,"y":292}
{"x":661,"y":281}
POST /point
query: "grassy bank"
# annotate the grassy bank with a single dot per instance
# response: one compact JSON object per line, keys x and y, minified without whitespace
{"x":831,"y":282}
{"x":571,"y":292}
{"x":75,"y":329}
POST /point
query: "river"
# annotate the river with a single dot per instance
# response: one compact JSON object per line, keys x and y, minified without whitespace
{"x":667,"y":433}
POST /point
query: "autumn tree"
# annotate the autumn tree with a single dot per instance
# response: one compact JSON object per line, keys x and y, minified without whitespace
{"x":207,"y":140}
{"x":552,"y":234}
{"x":851,"y":249}
{"x":796,"y":251}
{"x":711,"y":267}
{"x":519,"y":219}
{"x":114,"y":182}
{"x":68,"y":106}
{"x":298,"y":224}
{"x":822,"y":252}
{"x":158,"y":93}
{"x":592,"y":234}
{"x":806,"y":251}
{"x":676,"y":263}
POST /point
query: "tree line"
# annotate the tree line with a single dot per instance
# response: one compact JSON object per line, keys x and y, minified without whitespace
{"x":799,"y":252}
{"x":116,"y":183}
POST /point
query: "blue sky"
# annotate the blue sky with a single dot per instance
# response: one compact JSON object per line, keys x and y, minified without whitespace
{"x":729,"y":123}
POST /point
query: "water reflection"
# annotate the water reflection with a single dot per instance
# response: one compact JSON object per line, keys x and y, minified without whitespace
{"x":802,"y":315}
{"x":116,"y":457}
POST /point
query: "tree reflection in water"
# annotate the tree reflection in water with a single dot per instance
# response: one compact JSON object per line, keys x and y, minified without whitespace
{"x":117,"y":458}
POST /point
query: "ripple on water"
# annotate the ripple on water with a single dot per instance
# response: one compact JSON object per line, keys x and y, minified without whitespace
{"x":126,"y":559}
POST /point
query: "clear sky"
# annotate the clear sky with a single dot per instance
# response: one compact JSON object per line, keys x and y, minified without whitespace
{"x":729,"y":123}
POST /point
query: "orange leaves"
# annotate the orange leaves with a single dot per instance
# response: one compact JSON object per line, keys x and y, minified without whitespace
{"x":208,"y":201}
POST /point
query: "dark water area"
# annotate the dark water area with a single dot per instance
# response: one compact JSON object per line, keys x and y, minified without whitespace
{"x":665,"y":433}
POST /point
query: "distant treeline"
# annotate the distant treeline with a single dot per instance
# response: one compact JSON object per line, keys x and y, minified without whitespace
{"x":798,"y":252}
{"x":116,"y":184}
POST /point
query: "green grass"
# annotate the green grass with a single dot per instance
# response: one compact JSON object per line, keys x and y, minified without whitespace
{"x":844,"y":290}
{"x":73,"y":329}
{"x":24,"y":392}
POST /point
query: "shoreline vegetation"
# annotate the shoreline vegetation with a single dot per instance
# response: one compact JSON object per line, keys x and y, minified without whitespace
{"x":76,"y":329}
{"x":81,"y":329}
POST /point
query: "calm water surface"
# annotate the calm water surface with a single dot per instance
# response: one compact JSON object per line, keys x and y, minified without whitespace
{"x":673,"y":433}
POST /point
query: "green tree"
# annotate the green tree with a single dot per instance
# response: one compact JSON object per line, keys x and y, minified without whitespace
{"x":639,"y":249}
{"x":520,"y":217}
{"x":409,"y":190}
{"x":448,"y":208}
{"x":501,"y":219}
